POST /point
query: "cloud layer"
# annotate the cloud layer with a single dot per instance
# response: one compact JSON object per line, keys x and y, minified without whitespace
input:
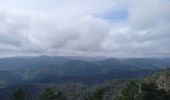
{"x":119,"y":28}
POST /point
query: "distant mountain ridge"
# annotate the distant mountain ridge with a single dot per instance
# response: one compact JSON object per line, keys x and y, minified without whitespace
{"x":46,"y":69}
{"x":40,"y":61}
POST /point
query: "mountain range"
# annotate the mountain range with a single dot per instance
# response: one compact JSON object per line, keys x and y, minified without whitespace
{"x":35,"y":74}
{"x":46,"y":69}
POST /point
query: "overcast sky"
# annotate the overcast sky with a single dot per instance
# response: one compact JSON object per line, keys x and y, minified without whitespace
{"x":117,"y":28}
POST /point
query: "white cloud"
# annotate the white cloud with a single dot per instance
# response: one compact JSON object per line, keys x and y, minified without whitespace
{"x":74,"y":27}
{"x":148,"y":13}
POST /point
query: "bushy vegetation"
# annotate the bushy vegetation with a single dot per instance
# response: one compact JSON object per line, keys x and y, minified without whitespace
{"x":50,"y":94}
{"x":97,"y":94}
{"x":19,"y":94}
{"x":151,"y":91}
{"x":132,"y":90}
{"x":155,"y":87}
{"x":135,"y":90}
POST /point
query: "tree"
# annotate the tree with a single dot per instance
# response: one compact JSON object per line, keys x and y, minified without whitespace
{"x":151,"y":91}
{"x":130,"y":91}
{"x":143,"y":91}
{"x":49,"y":94}
{"x":19,"y":94}
{"x":97,"y":94}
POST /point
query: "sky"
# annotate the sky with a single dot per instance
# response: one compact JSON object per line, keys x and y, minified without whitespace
{"x":115,"y":28}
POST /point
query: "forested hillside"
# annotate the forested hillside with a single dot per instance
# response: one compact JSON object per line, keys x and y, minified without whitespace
{"x":154,"y":87}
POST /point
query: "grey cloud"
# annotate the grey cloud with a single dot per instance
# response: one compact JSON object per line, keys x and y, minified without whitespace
{"x":52,"y":34}
{"x":147,"y":31}
{"x":83,"y":33}
{"x":147,"y":14}
{"x":77,"y":30}
{"x":9,"y":31}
